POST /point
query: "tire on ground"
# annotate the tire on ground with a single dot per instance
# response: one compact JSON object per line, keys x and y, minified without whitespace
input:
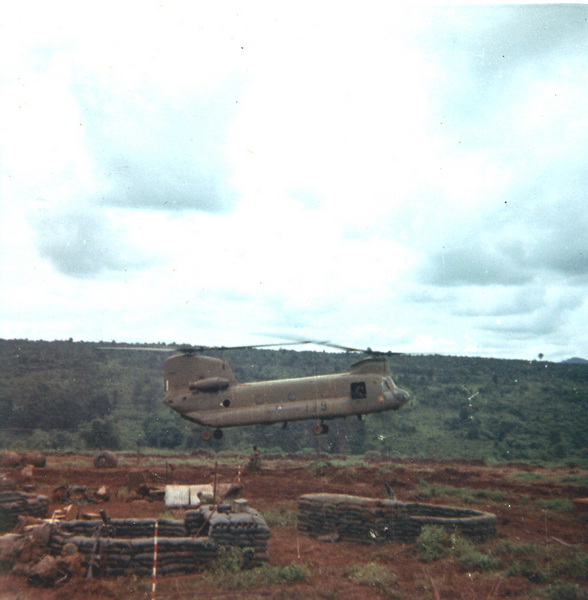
{"x":105,"y":460}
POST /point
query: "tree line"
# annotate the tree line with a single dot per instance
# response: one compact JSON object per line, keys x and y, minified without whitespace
{"x":67,"y":395}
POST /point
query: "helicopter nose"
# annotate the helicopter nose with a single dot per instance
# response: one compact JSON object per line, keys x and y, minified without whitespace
{"x":171,"y":402}
{"x":402,"y":396}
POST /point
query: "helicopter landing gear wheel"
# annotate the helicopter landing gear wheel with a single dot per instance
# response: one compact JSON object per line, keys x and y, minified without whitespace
{"x":218,"y":434}
{"x":206,"y":435}
{"x":320,"y":428}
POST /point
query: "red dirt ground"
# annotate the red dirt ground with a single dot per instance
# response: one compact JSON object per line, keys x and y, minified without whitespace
{"x":527,"y":511}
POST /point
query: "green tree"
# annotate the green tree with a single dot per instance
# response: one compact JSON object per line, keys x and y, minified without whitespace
{"x":102,"y":434}
{"x":163,"y":431}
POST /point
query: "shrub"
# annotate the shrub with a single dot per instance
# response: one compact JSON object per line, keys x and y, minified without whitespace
{"x":562,"y":590}
{"x":318,"y":465}
{"x":528,"y":569}
{"x":231,"y":571}
{"x":556,"y":505}
{"x":293,"y":573}
{"x":280,"y":517}
{"x":469,"y":557}
{"x":372,"y":574}
{"x":574,"y":564}
{"x":432,"y":543}
{"x":101,"y":433}
{"x":495,"y":495}
{"x":262,"y":576}
{"x":515,"y":548}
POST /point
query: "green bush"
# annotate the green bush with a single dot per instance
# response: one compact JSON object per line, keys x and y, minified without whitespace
{"x":556,"y":505}
{"x":372,"y":574}
{"x":292,"y":573}
{"x":231,"y":570}
{"x":562,"y":590}
{"x":262,"y":576}
{"x":528,"y":569}
{"x":515,"y":548}
{"x":101,"y":433}
{"x":432,"y":543}
{"x":495,"y":495}
{"x":470,"y":558}
{"x":573,"y":564}
{"x":280,"y":517}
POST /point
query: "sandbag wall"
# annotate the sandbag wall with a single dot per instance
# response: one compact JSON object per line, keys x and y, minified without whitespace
{"x":367,"y":520}
{"x":14,"y":504}
{"x":125,"y":528}
{"x":246,"y":530}
{"x":126,"y":545}
{"x":118,"y":556}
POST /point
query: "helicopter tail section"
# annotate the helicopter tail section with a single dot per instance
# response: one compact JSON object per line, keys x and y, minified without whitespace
{"x":371,"y":366}
{"x":184,"y":371}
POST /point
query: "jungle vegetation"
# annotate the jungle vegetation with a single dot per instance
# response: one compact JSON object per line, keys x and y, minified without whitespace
{"x":66,"y":395}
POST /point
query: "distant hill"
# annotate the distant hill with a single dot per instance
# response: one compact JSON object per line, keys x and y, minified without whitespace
{"x":575,"y":361}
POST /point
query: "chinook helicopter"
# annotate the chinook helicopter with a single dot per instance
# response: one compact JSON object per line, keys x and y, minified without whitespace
{"x":204,"y":390}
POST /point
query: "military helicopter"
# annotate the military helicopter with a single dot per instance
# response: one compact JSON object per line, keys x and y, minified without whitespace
{"x":203,"y":389}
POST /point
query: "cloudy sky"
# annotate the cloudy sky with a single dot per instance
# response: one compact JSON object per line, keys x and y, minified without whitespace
{"x":412,"y":179}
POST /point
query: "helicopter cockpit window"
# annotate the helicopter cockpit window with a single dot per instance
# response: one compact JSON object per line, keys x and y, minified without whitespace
{"x":358,"y":391}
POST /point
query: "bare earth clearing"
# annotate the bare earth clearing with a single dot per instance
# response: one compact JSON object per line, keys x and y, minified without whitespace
{"x":533,"y":506}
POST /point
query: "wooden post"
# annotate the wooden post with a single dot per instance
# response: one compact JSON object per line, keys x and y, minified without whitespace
{"x":214,"y":486}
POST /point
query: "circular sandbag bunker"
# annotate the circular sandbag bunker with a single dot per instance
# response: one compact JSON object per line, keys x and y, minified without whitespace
{"x":369,"y":520}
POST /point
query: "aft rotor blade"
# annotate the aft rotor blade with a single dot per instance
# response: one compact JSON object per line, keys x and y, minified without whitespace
{"x":259,"y":346}
{"x":350,"y":349}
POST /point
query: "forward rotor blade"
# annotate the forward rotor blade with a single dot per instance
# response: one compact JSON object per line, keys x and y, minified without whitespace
{"x":187,"y":349}
{"x":145,"y":349}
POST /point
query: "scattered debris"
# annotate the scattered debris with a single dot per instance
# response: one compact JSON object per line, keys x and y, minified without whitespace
{"x":62,"y":514}
{"x":135,"y":479}
{"x":27,"y":472}
{"x":178,"y":496}
{"x":6,"y":484}
{"x":27,"y":552}
{"x":80,"y":494}
{"x":102,"y":495}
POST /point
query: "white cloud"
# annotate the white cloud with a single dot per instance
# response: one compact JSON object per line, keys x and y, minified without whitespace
{"x":380,"y":177}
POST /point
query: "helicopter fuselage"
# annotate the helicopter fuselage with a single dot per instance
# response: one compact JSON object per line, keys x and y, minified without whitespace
{"x":204,"y":390}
